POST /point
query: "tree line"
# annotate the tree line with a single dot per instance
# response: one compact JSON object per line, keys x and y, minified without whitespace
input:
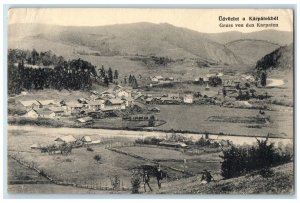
{"x":40,"y":70}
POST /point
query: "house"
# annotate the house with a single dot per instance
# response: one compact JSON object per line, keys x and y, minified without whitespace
{"x":66,"y":139}
{"x":154,"y":109}
{"x":114,"y":104}
{"x":94,"y":97}
{"x":149,"y":100}
{"x":57,"y":110}
{"x":83,"y":100}
{"x":85,"y":120}
{"x":29,"y":104}
{"x":108,"y":94}
{"x":219,"y":74}
{"x":94,"y":92}
{"x":123,"y":93}
{"x":31,"y":114}
{"x":86,"y":139}
{"x":138,"y":107}
{"x":73,"y":106}
{"x":210,"y":75}
{"x":169,"y":79}
{"x":45,"y":113}
{"x":117,"y":88}
{"x":157,"y":79}
{"x":96,"y":105}
{"x":45,"y":103}
{"x":188,"y":99}
{"x":128,"y":101}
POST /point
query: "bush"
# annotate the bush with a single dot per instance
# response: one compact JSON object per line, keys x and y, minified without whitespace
{"x":97,"y":158}
{"x":240,"y":160}
{"x":135,"y":183}
{"x":115,"y":182}
{"x":149,"y":140}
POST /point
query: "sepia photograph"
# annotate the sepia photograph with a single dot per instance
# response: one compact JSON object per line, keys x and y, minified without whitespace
{"x":151,"y":101}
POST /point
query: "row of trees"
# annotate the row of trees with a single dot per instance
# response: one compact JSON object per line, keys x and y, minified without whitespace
{"x":72,"y":75}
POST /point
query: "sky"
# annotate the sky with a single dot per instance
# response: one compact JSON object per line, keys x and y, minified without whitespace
{"x":201,"y":20}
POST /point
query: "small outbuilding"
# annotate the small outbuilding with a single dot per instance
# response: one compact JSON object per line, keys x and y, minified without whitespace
{"x":66,"y":139}
{"x":86,"y":139}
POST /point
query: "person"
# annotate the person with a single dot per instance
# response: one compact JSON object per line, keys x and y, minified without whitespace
{"x":146,"y":180}
{"x":206,"y":177}
{"x":159,"y":176}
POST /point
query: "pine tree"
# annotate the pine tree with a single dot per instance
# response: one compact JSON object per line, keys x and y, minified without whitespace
{"x":110,"y":75}
{"x":116,"y":75}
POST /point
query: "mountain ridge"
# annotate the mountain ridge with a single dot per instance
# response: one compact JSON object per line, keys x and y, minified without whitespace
{"x":134,"y":38}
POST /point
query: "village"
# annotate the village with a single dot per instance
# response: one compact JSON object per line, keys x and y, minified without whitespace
{"x":139,"y":104}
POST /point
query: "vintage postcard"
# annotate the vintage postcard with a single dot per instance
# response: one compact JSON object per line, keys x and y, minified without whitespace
{"x":150,"y":101}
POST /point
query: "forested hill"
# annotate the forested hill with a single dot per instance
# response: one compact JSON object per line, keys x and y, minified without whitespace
{"x":280,"y":59}
{"x":34,"y":70}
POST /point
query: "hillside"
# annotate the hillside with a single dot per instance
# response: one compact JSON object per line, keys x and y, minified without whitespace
{"x":125,"y":39}
{"x":280,"y":183}
{"x":277,"y":37}
{"x":251,"y":50}
{"x":277,"y":61}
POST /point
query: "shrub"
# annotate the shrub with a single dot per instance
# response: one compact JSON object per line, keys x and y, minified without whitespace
{"x":135,"y":183}
{"x":115,"y":182}
{"x":97,"y":158}
{"x":151,"y":122}
{"x":149,"y":140}
{"x":240,"y":160}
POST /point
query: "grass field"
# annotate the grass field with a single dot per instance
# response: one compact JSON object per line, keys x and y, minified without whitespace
{"x":79,"y":167}
{"x":195,"y":118}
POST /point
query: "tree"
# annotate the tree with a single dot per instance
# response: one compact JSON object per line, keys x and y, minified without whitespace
{"x":115,"y":182}
{"x":102,"y":72}
{"x":116,"y":75}
{"x":215,"y":81}
{"x":34,"y":57}
{"x":263,"y":80}
{"x":151,"y":122}
{"x":110,"y":75}
{"x":224,"y":92}
{"x":130,"y":79}
{"x":135,"y":182}
{"x":239,"y":160}
{"x":106,"y":81}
